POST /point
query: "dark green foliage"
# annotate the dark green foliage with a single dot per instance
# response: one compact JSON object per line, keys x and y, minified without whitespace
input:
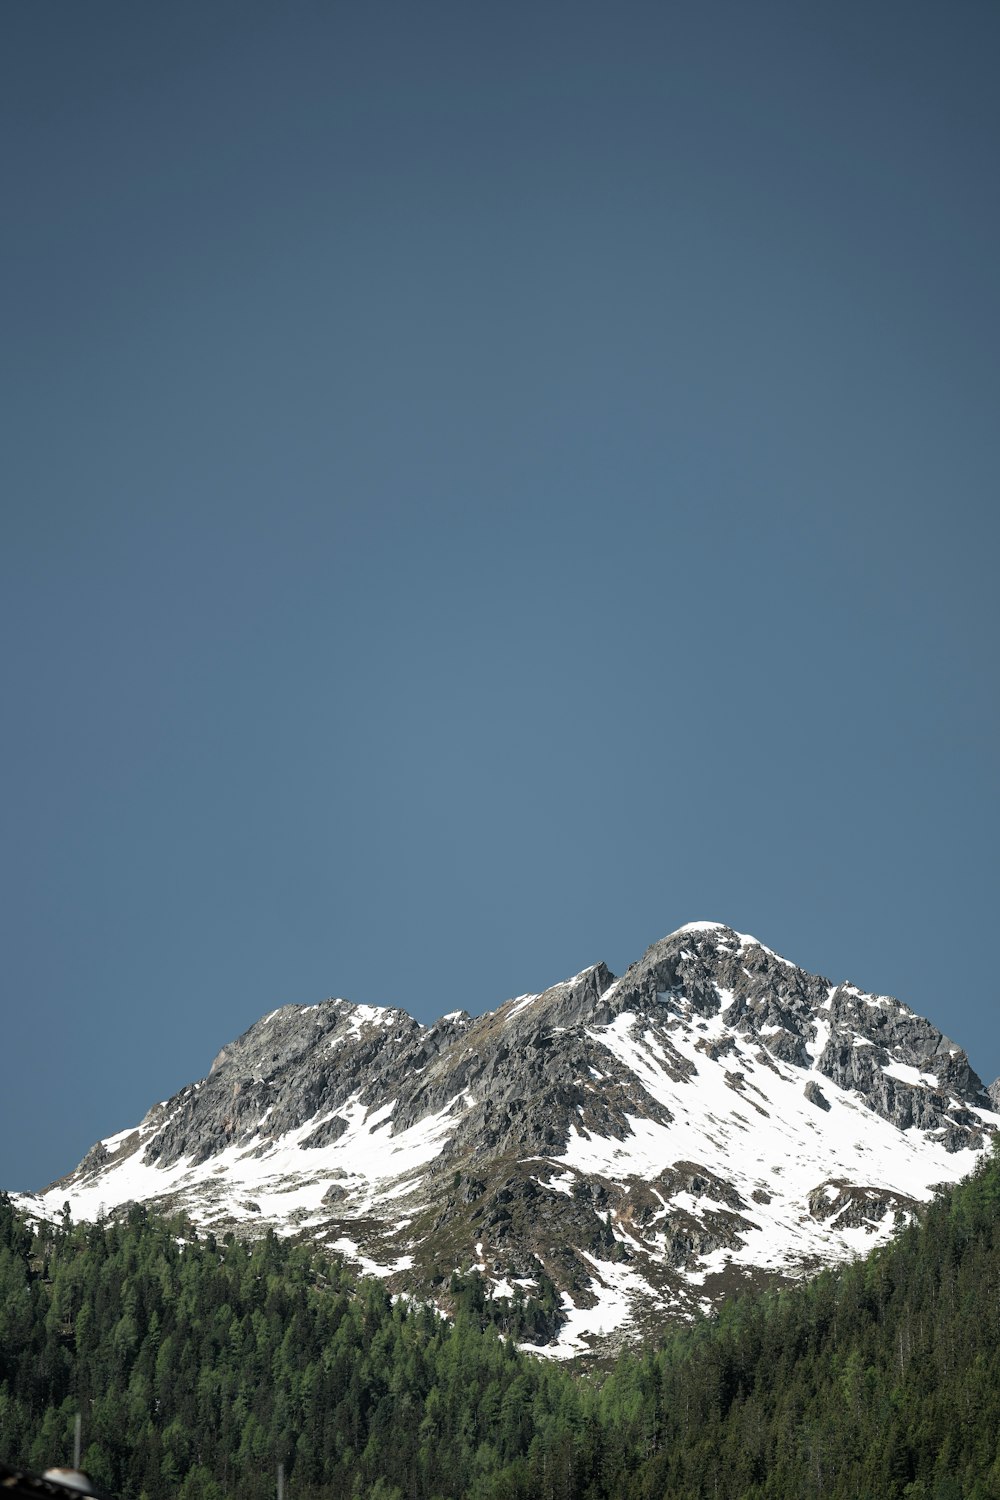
{"x":200,"y":1366}
{"x":524,"y":1319}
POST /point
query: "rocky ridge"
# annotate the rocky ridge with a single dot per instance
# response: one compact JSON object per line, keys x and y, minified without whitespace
{"x":642,"y":1143}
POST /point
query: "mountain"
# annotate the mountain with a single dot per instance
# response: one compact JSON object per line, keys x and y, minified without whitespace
{"x":639,"y":1145}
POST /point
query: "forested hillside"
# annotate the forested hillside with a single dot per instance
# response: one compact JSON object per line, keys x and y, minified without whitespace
{"x":199,"y":1366}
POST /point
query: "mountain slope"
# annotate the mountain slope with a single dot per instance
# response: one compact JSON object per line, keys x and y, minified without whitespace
{"x":715,"y":1114}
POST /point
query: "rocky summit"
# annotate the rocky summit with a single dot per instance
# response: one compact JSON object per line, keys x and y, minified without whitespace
{"x":635,"y":1146}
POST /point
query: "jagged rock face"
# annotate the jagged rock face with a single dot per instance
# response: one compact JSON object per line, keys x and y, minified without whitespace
{"x":714,"y":1114}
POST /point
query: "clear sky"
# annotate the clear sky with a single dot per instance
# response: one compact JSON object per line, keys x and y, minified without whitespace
{"x":484,"y":485}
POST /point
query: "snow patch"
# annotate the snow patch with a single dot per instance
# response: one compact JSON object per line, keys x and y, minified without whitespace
{"x":616,"y":1287}
{"x":519,"y":1003}
{"x":907,"y":1074}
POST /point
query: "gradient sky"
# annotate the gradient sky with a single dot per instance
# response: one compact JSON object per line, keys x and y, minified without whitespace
{"x":484,"y":485}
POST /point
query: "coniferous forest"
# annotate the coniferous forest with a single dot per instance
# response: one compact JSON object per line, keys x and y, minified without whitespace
{"x":200,"y":1365}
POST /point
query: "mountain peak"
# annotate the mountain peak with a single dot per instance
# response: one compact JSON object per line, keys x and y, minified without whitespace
{"x":700,"y":927}
{"x":715,"y":1113}
{"x":725,"y":936}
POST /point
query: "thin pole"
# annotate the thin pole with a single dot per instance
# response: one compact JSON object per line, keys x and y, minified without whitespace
{"x":281,"y":1482}
{"x":77,"y":1429}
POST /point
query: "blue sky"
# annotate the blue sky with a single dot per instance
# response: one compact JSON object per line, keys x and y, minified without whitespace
{"x":484,"y":486}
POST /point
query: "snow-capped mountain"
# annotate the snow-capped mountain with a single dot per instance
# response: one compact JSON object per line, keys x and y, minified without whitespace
{"x":715,"y":1114}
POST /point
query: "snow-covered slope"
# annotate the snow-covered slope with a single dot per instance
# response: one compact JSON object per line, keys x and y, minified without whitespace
{"x":646,"y":1142}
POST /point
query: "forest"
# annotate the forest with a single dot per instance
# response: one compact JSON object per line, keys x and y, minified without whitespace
{"x":199,"y":1365}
